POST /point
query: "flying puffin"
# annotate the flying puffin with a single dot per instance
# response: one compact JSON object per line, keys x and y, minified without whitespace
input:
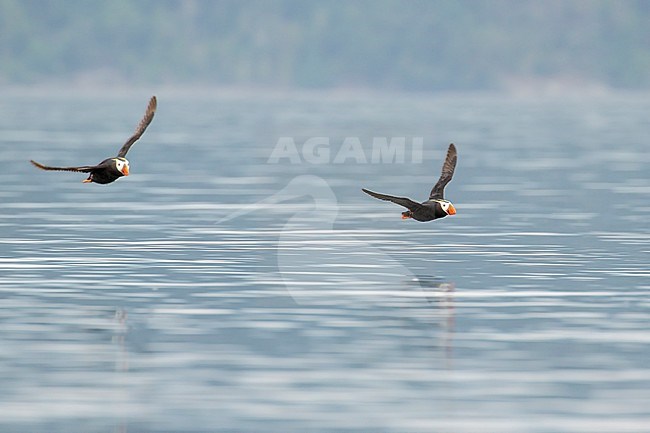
{"x":434,"y":208}
{"x":111,"y":169}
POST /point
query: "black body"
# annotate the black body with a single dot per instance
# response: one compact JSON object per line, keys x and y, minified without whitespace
{"x":105,"y":172}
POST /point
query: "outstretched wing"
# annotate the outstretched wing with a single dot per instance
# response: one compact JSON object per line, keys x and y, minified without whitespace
{"x":82,"y":169}
{"x":402,"y":201}
{"x":142,"y":126}
{"x":448,"y":167}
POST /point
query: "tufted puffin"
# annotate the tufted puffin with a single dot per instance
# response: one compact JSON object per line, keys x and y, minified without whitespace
{"x":111,"y":169}
{"x":434,"y":208}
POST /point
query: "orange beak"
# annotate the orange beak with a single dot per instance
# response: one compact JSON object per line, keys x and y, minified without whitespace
{"x":451,"y":210}
{"x":125,"y":170}
{"x":405,"y":217}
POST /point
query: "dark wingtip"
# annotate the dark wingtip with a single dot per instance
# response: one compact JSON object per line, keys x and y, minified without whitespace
{"x":36,"y":164}
{"x":153,"y":105}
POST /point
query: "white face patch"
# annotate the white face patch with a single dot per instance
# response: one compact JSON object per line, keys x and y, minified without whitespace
{"x":120,"y":164}
{"x":444,"y":204}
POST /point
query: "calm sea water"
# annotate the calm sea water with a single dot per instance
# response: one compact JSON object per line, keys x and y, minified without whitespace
{"x":213,"y":290}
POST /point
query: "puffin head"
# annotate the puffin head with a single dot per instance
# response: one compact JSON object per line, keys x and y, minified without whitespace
{"x":122,"y":165}
{"x":447,"y":207}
